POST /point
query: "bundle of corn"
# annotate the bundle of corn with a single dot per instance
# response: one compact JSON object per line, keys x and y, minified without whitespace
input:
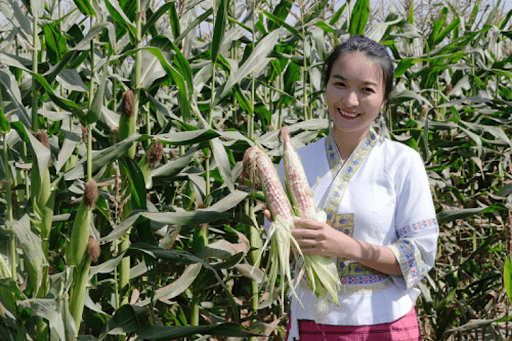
{"x":321,"y":272}
{"x":260,"y":171}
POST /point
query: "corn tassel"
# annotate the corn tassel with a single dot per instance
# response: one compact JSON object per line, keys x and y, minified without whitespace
{"x":321,"y":272}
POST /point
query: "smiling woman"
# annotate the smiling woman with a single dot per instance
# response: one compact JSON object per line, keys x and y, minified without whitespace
{"x":381,"y":223}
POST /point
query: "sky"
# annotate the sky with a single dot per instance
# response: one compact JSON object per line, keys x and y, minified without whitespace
{"x":507,"y":7}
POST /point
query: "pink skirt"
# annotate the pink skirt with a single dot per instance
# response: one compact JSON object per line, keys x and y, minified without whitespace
{"x":403,"y":329}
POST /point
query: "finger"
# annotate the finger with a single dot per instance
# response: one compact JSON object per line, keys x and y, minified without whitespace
{"x":307,"y":223}
{"x":267,"y":215}
{"x":304,"y":233}
{"x":306,"y":243}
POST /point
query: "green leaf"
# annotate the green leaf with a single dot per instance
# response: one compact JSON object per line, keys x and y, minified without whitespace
{"x":137,"y":183}
{"x":359,"y":17}
{"x":254,"y":61}
{"x":70,"y":80}
{"x":13,"y":107}
{"x":219,"y":29}
{"x":280,"y":21}
{"x":219,"y":210}
{"x":452,"y":26}
{"x":187,"y":137}
{"x":177,"y":287}
{"x":337,"y":15}
{"x":120,"y":17}
{"x":222,"y":160}
{"x":65,"y":104}
{"x":101,"y":158}
{"x":85,"y":7}
{"x":193,"y":25}
{"x":280,"y":14}
{"x":438,"y":25}
{"x":450,"y":215}
{"x":30,"y":243}
{"x":55,"y":42}
{"x":5,"y":127}
{"x":171,"y":255}
{"x":125,"y":320}
{"x":97,"y":103}
{"x":37,"y":8}
{"x":506,"y":190}
{"x":11,"y":285}
{"x":170,"y":169}
{"x":48,"y":309}
{"x":176,"y":76}
{"x":43,"y":155}
{"x":507,"y":278}
{"x":174,"y":20}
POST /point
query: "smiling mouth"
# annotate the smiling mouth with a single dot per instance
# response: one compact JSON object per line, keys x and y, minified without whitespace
{"x":348,"y":115}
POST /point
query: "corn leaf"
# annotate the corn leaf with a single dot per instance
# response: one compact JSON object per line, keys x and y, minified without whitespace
{"x":30,"y":243}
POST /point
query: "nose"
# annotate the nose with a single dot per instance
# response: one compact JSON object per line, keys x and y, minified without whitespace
{"x":351,"y":99}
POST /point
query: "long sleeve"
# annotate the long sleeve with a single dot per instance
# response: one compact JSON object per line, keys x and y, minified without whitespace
{"x":416,"y":229}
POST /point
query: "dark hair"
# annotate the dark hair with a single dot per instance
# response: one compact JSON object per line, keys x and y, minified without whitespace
{"x":371,"y":49}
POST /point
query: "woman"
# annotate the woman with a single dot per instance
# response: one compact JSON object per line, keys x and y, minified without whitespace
{"x":381,"y":223}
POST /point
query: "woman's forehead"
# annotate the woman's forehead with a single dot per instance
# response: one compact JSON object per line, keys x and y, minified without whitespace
{"x":358,"y":66}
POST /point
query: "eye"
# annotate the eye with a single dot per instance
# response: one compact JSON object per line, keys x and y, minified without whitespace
{"x":370,"y":90}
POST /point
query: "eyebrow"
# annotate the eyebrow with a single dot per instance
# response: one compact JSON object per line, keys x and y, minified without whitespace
{"x":344,"y":79}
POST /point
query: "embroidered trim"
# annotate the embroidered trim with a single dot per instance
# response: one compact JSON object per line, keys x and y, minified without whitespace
{"x":360,"y":284}
{"x":343,"y":173}
{"x":411,"y":261}
{"x":415,"y":227}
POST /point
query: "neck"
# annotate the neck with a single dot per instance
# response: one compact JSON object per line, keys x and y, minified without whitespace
{"x":347,"y":142}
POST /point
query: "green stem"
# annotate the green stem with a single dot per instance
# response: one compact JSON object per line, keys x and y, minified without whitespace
{"x":148,"y":121}
{"x":89,"y":153}
{"x":7,"y":179}
{"x":305,"y":67}
{"x":256,"y":244}
{"x":27,"y":182}
{"x":35,"y":119}
{"x":200,"y":240}
{"x":12,"y":240}
{"x":250,"y":126}
{"x":194,"y":314}
{"x":207,"y":171}
{"x":124,"y":274}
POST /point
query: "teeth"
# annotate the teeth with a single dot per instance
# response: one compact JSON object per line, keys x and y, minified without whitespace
{"x":344,"y":113}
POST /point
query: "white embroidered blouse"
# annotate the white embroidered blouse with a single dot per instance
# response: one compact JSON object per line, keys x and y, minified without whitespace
{"x":385,"y":200}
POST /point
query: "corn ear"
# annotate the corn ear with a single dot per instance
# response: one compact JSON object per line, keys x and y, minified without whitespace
{"x":321,"y":272}
{"x":77,"y":247}
{"x":258,"y":166}
{"x":257,"y":163}
{"x":297,"y":182}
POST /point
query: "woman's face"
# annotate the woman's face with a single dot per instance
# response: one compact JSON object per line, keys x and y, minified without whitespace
{"x":354,"y":94}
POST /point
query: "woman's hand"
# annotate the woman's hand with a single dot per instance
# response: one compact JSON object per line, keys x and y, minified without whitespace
{"x":316,"y":238}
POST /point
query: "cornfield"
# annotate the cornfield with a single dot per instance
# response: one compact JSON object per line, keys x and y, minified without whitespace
{"x":124,"y":125}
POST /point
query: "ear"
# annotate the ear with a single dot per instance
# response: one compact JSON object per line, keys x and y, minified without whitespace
{"x":383,"y":105}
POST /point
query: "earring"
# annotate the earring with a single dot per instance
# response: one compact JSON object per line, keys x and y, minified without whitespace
{"x":329,"y":124}
{"x":382,"y":128}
